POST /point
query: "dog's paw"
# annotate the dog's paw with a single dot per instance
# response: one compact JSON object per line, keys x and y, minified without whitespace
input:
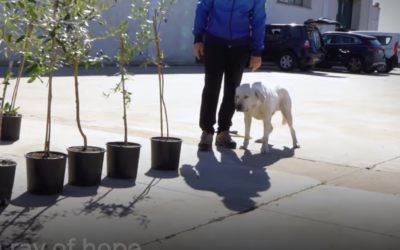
{"x":296,"y":145}
{"x":264,"y":149}
{"x":243,"y":147}
{"x":259,"y":141}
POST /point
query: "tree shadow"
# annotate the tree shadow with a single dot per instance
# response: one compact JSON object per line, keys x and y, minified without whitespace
{"x":236,"y":180}
{"x":25,"y":224}
{"x":114,"y":210}
{"x":77,"y":192}
{"x":118,"y":183}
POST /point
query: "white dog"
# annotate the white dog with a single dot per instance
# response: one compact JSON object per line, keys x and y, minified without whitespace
{"x":261,"y":103}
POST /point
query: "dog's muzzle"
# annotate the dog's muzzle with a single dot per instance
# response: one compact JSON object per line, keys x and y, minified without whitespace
{"x":239,"y":107}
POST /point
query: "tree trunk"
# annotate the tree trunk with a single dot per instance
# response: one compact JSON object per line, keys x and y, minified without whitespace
{"x":49,"y":97}
{"x":78,"y":119}
{"x":124,"y":91}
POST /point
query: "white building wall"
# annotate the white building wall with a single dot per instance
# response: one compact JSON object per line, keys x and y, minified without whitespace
{"x":284,"y":13}
{"x":374,"y":18}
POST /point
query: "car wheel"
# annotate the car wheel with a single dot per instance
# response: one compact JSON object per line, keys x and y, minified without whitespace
{"x":355,"y":64}
{"x":384,"y":69}
{"x":306,"y":68}
{"x":287,"y":62}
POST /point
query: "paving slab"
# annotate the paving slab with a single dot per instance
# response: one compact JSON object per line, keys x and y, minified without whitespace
{"x":368,"y":211}
{"x":371,"y":180}
{"x":392,"y":166}
{"x":261,"y":230}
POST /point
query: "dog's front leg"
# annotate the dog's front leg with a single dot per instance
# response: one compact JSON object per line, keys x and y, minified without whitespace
{"x":267,"y":131}
{"x":247,"y":127}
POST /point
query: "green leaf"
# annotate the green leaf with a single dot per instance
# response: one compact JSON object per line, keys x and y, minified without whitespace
{"x":31,"y":68}
{"x":32,"y":79}
{"x":21,"y":38}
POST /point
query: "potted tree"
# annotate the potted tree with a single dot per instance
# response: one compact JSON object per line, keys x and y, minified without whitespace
{"x":46,"y":169}
{"x":85,"y":163}
{"x":123,"y":156}
{"x":10,"y":37}
{"x":7,"y":176}
{"x":165,"y":150}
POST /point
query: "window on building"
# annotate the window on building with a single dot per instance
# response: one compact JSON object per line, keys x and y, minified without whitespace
{"x":301,"y":3}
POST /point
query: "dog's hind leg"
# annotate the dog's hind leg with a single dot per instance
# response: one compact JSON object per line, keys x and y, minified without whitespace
{"x":247,"y":127}
{"x":287,"y":116}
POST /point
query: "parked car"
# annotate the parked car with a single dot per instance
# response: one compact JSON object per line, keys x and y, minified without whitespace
{"x":391,"y":44}
{"x":356,"y":52}
{"x":293,"y":46}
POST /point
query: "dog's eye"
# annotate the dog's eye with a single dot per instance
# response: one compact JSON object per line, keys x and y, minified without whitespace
{"x":245,"y":97}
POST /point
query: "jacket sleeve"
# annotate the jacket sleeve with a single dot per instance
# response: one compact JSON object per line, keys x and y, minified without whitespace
{"x":258,"y":26}
{"x":201,"y":19}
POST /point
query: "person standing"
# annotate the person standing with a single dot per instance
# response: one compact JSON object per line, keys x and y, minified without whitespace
{"x":227,"y":33}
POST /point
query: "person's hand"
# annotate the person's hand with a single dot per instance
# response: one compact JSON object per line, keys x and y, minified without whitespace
{"x":255,"y":63}
{"x":198,"y":50}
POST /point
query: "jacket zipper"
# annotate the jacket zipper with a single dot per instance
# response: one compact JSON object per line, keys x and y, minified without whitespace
{"x":230,"y":21}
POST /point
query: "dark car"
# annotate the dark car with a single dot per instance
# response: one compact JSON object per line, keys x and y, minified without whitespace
{"x":293,"y":46}
{"x":356,"y":52}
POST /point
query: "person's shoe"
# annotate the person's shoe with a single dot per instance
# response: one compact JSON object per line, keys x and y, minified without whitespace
{"x":206,"y":142}
{"x":224,"y":139}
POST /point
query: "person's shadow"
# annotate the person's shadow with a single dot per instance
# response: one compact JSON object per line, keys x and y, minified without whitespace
{"x":236,"y":180}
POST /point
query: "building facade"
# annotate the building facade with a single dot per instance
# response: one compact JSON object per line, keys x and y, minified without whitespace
{"x":177,"y":38}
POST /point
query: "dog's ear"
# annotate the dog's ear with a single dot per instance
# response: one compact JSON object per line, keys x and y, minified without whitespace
{"x":257,"y":86}
{"x":260,"y":95}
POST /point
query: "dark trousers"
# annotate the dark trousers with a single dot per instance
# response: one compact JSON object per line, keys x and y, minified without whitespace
{"x":221,"y":62}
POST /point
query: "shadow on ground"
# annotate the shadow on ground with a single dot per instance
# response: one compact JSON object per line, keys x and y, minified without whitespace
{"x":24,"y":225}
{"x":236,"y":180}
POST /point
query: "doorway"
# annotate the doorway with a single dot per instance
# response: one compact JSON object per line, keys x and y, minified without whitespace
{"x":344,"y":14}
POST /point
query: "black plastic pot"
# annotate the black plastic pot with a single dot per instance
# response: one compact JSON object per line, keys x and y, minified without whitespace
{"x":11,"y":127}
{"x":85,"y":167}
{"x":7,"y":175}
{"x":122,"y":161}
{"x":45,"y":176}
{"x":165,"y":153}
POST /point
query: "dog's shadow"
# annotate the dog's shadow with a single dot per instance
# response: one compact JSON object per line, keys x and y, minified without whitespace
{"x":236,"y":180}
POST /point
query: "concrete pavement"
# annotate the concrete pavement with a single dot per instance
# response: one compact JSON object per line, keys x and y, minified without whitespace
{"x":340,"y":190}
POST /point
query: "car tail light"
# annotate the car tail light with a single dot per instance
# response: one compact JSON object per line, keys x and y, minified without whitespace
{"x":307,"y":44}
{"x":373,"y":49}
{"x":396,"y":48}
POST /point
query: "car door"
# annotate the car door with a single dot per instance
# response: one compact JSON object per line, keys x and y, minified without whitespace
{"x":339,"y":49}
{"x":329,"y":48}
{"x":273,"y":42}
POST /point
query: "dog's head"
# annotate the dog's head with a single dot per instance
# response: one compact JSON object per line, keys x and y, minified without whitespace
{"x":248,"y":97}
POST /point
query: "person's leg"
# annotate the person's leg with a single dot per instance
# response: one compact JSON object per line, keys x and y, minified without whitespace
{"x":214,"y":62}
{"x":236,"y":61}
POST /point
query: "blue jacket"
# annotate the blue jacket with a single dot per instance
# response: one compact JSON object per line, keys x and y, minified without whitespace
{"x":231,"y":23}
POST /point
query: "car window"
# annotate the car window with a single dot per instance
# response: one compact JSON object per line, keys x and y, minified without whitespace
{"x":295,"y":32}
{"x":384,"y":40}
{"x":374,"y":42}
{"x":327,"y":39}
{"x":345,"y":40}
{"x":274,"y":33}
